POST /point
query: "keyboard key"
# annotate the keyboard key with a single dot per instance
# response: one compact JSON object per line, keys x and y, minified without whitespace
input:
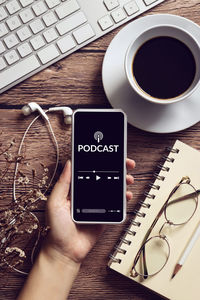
{"x":49,"y":19}
{"x":25,"y":3}
{"x":83,"y":34}
{"x":47,"y":54}
{"x":105,"y":22}
{"x":131,"y":8}
{"x":52,"y":3}
{"x":71,"y":23}
{"x":37,"y":26}
{"x":111,"y":4}
{"x":148,"y":2}
{"x":39,"y":8}
{"x":11,"y":41}
{"x":13,"y":7}
{"x":2,"y":48}
{"x":66,"y":43}
{"x":3,"y":29}
{"x":67,"y":8}
{"x":11,"y":57}
{"x":3,"y":14}
{"x":13,"y":23}
{"x":24,"y":33}
{"x":37,"y":42}
{"x":50,"y":35}
{"x":19,"y":70}
{"x":2,"y":1}
{"x":24,"y":49}
{"x":118,"y":15}
{"x":26,"y":15}
{"x":2,"y":64}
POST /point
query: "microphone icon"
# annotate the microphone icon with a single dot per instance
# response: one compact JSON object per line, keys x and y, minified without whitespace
{"x":98,"y":136}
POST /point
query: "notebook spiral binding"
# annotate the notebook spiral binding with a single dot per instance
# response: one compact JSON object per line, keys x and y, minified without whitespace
{"x":129,"y":231}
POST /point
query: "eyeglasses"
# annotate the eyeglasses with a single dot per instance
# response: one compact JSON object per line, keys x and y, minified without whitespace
{"x":178,"y":209}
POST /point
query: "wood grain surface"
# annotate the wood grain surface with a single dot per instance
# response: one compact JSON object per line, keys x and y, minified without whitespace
{"x":76,"y":81}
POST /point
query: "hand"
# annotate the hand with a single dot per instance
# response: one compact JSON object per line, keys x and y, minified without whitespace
{"x":67,"y":239}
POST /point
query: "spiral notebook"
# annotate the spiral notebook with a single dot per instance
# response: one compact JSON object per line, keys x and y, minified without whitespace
{"x":182,"y":160}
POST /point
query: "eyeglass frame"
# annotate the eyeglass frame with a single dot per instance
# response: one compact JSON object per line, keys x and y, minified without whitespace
{"x":147,"y":239}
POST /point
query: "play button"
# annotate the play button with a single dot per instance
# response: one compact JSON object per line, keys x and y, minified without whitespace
{"x":98,"y":177}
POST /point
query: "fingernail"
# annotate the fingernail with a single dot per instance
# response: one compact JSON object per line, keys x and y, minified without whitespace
{"x":132,"y":178}
{"x":67,"y":164}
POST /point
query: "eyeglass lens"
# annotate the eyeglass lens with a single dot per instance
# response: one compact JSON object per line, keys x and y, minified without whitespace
{"x":180,"y":211}
{"x":156,"y":255}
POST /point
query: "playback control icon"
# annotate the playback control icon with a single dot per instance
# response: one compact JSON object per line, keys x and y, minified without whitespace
{"x":114,"y":177}
{"x":88,"y":177}
{"x":82,"y":177}
{"x":97,"y":177}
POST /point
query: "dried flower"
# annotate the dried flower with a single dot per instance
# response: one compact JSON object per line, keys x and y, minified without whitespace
{"x":17,"y":220}
{"x":3,"y":240}
{"x":41,"y":196}
{"x":8,"y":156}
{"x":16,"y":249}
{"x":26,"y":180}
{"x":20,"y":180}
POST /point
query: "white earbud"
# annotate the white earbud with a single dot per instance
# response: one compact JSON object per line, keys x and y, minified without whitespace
{"x":67,"y":113}
{"x":31,"y":107}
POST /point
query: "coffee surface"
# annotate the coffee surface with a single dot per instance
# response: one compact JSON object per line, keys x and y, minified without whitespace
{"x":164,"y":67}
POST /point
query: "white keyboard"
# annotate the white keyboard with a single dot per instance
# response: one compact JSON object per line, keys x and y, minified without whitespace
{"x":36,"y":33}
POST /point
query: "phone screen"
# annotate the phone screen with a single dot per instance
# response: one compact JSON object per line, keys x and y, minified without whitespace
{"x":98,"y":164}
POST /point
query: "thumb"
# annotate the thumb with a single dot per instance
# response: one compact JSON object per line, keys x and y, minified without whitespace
{"x":61,"y":188}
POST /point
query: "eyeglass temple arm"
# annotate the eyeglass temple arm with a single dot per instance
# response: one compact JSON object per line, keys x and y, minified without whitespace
{"x":185,"y":197}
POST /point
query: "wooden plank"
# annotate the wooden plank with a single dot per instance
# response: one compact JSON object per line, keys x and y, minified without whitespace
{"x":77,"y":79}
{"x":101,"y":282}
{"x":147,"y":149}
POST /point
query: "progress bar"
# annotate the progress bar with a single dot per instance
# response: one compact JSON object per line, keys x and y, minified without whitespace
{"x":93,"y":211}
{"x":96,"y":171}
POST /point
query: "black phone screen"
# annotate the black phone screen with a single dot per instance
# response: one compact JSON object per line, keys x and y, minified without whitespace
{"x":98,"y":163}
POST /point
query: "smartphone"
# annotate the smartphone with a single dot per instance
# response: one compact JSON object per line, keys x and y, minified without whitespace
{"x":98,"y":190}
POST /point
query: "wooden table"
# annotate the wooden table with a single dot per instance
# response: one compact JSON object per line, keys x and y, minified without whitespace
{"x":76,"y":81}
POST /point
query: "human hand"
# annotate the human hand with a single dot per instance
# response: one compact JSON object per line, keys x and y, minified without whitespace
{"x":67,"y":239}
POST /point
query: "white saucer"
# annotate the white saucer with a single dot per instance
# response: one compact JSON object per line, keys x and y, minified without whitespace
{"x":141,"y":114}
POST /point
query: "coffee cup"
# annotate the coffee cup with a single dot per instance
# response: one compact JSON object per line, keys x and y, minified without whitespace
{"x":162,"y":64}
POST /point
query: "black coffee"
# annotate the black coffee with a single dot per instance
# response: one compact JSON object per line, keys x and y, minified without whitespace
{"x":164,"y":67}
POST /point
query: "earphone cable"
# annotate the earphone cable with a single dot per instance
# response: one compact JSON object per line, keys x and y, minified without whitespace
{"x":57,"y":155}
{"x":14,"y":181}
{"x":19,"y":152}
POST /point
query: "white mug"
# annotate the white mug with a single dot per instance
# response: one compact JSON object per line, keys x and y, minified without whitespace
{"x":158,"y":31}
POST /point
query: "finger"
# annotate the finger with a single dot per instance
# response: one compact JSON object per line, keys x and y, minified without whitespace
{"x":129,"y":195}
{"x":129,"y":179}
{"x":61,"y":188}
{"x":130,"y":164}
